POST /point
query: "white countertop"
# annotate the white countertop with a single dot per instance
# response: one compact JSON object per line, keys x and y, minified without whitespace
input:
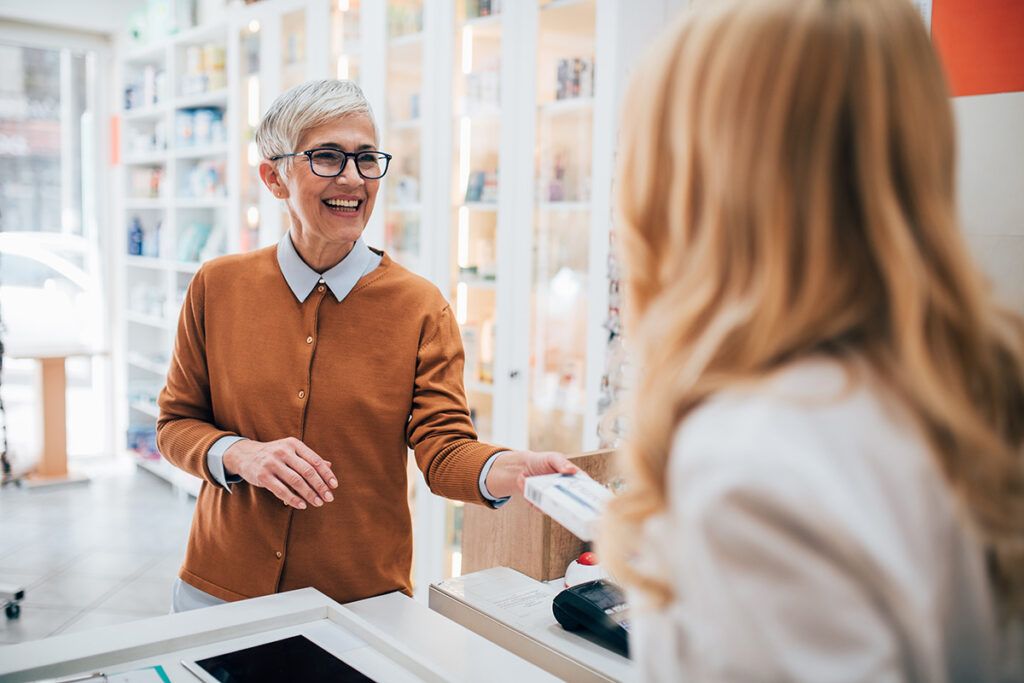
{"x":389,"y":637}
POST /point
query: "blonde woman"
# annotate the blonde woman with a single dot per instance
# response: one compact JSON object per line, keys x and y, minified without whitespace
{"x":825,"y":473}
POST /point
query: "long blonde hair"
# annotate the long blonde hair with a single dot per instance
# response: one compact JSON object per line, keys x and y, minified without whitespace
{"x":787,"y":189}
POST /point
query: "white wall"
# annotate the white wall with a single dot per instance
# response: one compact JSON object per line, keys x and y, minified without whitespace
{"x":991,"y":187}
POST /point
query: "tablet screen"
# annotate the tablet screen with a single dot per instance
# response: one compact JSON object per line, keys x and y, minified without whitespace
{"x":291,"y":659}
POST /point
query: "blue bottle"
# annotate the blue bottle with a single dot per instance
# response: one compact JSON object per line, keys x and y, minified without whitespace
{"x":135,"y":235}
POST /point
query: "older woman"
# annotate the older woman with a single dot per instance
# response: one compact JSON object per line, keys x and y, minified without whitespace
{"x":303,"y":372}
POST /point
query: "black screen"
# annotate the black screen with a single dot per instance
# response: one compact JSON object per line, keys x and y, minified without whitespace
{"x":292,"y":659}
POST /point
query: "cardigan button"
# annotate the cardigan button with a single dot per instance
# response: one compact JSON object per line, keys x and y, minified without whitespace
{"x":309,"y":340}
{"x":320,"y":288}
{"x":278,"y":554}
{"x":302,"y":394}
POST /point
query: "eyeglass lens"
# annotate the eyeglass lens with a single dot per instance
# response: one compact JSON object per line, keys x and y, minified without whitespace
{"x":329,"y":163}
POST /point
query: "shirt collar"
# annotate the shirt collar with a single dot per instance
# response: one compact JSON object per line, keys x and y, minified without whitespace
{"x":341,"y":278}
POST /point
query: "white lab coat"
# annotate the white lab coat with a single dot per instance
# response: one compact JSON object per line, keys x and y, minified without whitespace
{"x":811,"y":537}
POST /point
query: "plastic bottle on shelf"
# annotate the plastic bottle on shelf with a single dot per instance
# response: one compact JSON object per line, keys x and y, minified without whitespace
{"x":485,"y":367}
{"x":148,"y":86}
{"x":135,"y":237}
{"x":155,"y":179}
{"x":151,"y":246}
{"x":556,"y":188}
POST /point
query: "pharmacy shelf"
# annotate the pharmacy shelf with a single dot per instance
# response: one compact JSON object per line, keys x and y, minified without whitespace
{"x":149,"y":320}
{"x":562,"y":4}
{"x":200,"y":152}
{"x":153,"y":263}
{"x":478,"y":282}
{"x":147,"y":159}
{"x":481,"y":206}
{"x":564,"y":206}
{"x":145,"y":408}
{"x":154,"y":53}
{"x":184,"y":266}
{"x":209,"y":33}
{"x":146,"y":336}
{"x":217,"y":98}
{"x":569,"y":105}
{"x":480,"y":388}
{"x":145,"y":113}
{"x":200,"y":202}
{"x":483,"y":24}
{"x":479,"y":112}
{"x":145,"y":203}
{"x":178,"y":478}
{"x":150,"y":262}
{"x":137,"y":360}
{"x":408,"y":40}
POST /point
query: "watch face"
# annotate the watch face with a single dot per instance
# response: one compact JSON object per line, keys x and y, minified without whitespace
{"x":291,"y":659}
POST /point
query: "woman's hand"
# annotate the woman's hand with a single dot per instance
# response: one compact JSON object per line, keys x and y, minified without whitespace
{"x":287,"y":468}
{"x":510,"y":469}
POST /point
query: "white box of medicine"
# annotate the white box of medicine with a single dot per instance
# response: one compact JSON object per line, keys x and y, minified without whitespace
{"x":573,"y":500}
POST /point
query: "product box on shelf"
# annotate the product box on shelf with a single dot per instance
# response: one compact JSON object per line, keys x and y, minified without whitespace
{"x":204,"y":69}
{"x":574,"y":78}
{"x":142,"y":440}
{"x":199,"y":127}
{"x":205,"y":179}
{"x":146,"y":89}
{"x":146,"y":182}
{"x":143,"y":240}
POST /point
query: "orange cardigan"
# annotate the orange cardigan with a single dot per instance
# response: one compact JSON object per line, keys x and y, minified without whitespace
{"x":383,"y":372}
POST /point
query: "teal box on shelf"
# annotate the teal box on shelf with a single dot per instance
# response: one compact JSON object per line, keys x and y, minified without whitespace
{"x":192,"y":241}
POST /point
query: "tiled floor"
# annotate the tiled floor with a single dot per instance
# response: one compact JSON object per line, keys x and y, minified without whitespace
{"x":91,"y":555}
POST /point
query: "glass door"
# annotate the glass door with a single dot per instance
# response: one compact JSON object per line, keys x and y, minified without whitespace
{"x":292,"y":72}
{"x":476,"y":135}
{"x":475,"y":190}
{"x":249,"y":118}
{"x":52,"y":289}
{"x":403,"y":128}
{"x":345,"y":43}
{"x":293,"y":49}
{"x":564,"y":125}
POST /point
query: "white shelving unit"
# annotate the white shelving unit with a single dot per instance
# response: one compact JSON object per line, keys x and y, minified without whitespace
{"x":174,"y":132}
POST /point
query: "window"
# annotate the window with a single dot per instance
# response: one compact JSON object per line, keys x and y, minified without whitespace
{"x":51,"y":293}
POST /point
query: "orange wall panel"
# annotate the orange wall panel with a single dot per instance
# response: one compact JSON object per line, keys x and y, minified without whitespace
{"x":981,"y":44}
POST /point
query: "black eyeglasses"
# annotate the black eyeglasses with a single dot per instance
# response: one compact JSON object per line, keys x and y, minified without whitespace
{"x":330,"y":163}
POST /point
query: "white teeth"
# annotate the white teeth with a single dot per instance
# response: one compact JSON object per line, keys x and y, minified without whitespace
{"x":343,"y":203}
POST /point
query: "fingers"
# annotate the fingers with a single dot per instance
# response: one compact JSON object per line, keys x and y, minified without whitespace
{"x":556,"y":463}
{"x":562,"y":464}
{"x":295,"y":474}
{"x":283,"y":493}
{"x":305,"y":480}
{"x":323,"y":467}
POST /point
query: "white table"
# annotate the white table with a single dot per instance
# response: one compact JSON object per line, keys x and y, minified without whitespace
{"x":389,"y":638}
{"x":53,"y":463}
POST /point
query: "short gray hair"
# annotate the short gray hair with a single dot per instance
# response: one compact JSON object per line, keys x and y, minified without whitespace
{"x":307,"y":106}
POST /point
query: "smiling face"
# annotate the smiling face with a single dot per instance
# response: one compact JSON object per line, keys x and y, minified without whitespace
{"x":328,"y":214}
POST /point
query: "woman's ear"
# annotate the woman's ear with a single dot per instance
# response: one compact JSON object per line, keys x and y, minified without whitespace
{"x":272,"y":179}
